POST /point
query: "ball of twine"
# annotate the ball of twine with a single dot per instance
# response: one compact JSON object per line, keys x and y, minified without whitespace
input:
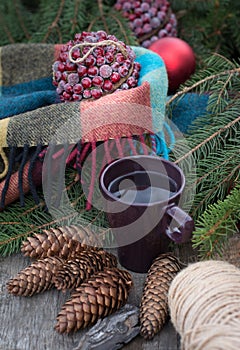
{"x":204,"y":303}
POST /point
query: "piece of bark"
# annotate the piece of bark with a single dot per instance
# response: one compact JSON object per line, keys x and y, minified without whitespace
{"x":112,"y":332}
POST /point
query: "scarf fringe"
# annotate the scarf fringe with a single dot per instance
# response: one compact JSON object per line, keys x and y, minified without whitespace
{"x":16,"y":184}
{"x":26,"y":179}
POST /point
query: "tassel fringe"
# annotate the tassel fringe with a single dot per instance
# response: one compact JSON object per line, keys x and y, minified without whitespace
{"x":113,"y":148}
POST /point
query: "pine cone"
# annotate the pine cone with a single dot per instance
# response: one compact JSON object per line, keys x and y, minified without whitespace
{"x":35,"y":278}
{"x":103,"y":293}
{"x":62,"y":241}
{"x":73,"y":272}
{"x":154,"y":305}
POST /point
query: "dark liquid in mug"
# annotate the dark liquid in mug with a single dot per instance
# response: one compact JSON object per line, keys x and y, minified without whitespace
{"x":143,"y":187}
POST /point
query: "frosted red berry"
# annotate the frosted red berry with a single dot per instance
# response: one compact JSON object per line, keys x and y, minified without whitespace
{"x":87,"y":94}
{"x":98,"y":51}
{"x":76,"y":97}
{"x":115,"y":77}
{"x":107,"y":86}
{"x":66,"y":95}
{"x":92,"y":71}
{"x":77,"y":89}
{"x":132,"y":82}
{"x":76,"y":53}
{"x":97,"y":81}
{"x":100,"y":60}
{"x":123,"y":71}
{"x":105,"y":71}
{"x":82,"y":70}
{"x":73,"y":78}
{"x":96,"y":93}
{"x":69,"y":66}
{"x":109,"y":57}
{"x":57,"y":76}
{"x":90,"y":60}
{"x":61,"y":67}
{"x":86,"y":82}
{"x":120,"y":58}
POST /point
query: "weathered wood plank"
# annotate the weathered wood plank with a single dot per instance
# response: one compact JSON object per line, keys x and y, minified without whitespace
{"x":28,"y":322}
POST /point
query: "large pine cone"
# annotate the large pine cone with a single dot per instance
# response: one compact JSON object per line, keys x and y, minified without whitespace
{"x":73,"y":272}
{"x":154,"y":306}
{"x":63,"y":241}
{"x":35,"y":278}
{"x":104,"y":293}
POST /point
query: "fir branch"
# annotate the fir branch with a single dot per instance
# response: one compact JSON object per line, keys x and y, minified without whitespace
{"x":213,"y":142}
{"x":121,"y":27}
{"x":6,"y":31}
{"x":216,"y":225}
{"x":74,"y":20}
{"x":55,"y":23}
{"x":208,"y":139}
{"x":212,"y":193}
{"x":92,"y":23}
{"x":17,"y":223}
{"x":102,"y":15}
{"x":21,"y":20}
{"x":209,"y":26}
{"x":186,"y":89}
{"x":15,"y":22}
{"x":112,"y":21}
{"x":14,"y":233}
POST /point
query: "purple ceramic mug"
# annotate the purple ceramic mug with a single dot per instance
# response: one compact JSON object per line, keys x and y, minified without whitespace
{"x":141,"y":196}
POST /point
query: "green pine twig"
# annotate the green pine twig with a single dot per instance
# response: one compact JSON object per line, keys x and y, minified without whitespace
{"x":217,"y":224}
{"x":213,"y":141}
{"x":17,"y":223}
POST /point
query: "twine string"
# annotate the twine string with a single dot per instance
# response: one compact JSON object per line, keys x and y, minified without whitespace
{"x":204,"y":303}
{"x":94,"y":45}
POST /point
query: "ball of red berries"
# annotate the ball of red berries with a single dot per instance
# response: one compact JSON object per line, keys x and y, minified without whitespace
{"x":94,"y":64}
{"x":149,"y":19}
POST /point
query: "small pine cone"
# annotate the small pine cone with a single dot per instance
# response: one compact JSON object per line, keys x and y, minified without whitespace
{"x":62,"y":241}
{"x":154,"y":306}
{"x":75,"y":271}
{"x":35,"y":278}
{"x":103,"y":293}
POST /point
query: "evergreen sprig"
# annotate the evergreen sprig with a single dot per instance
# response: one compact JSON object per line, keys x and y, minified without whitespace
{"x":57,"y":21}
{"x":213,"y":142}
{"x":17,"y":223}
{"x":209,"y":26}
{"x":15,"y":22}
{"x":217,"y":224}
{"x":111,"y":21}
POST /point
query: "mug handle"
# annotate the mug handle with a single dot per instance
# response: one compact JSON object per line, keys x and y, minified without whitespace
{"x":179,"y":224}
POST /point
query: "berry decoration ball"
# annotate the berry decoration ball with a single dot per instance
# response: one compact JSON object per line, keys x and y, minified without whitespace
{"x":92,"y":65}
{"x":179,"y":60}
{"x":149,"y":19}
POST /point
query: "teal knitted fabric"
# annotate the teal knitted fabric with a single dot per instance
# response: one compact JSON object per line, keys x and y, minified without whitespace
{"x":154,"y":71}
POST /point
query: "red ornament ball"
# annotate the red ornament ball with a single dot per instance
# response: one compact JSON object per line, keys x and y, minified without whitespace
{"x":179,"y":59}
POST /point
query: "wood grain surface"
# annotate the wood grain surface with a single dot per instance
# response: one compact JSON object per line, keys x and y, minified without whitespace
{"x":27,"y":323}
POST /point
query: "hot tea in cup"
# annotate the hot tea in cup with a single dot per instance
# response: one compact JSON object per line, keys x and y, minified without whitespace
{"x":141,"y":202}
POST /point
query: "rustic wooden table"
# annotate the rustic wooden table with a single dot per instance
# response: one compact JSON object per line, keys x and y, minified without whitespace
{"x":27,"y":323}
